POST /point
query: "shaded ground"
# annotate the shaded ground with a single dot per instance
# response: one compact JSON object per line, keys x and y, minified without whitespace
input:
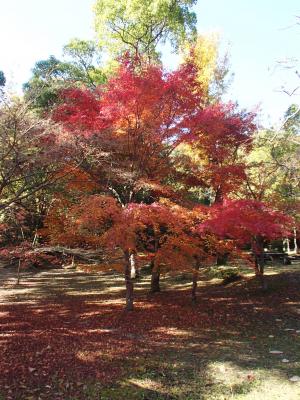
{"x":64,"y":335}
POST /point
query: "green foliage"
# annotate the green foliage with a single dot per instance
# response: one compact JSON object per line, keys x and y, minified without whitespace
{"x":225,"y":273}
{"x":83,"y":62}
{"x":292,"y":119}
{"x":139,"y":26}
{"x":273,"y":170}
{"x":80,"y":67}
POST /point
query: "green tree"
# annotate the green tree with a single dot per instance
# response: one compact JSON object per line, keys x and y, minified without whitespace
{"x":273,"y":173}
{"x":139,"y":26}
{"x":80,"y":67}
{"x":292,"y":119}
{"x":272,"y":167}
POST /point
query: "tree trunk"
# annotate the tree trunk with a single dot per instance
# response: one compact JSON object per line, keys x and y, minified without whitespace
{"x":222,"y":259}
{"x":135,"y":273}
{"x":260,"y":268}
{"x":155,"y":287}
{"x":194,"y":286}
{"x":295,"y":241}
{"x":18,"y":272}
{"x":128,"y":282}
{"x":258,"y":250}
{"x":195,"y":278}
{"x":288,"y":250}
{"x":219,"y":197}
{"x":34,"y":239}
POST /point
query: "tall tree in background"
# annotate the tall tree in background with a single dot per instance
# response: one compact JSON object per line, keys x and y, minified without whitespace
{"x":80,"y":68}
{"x":139,"y":26}
{"x":212,"y":66}
{"x":273,"y":171}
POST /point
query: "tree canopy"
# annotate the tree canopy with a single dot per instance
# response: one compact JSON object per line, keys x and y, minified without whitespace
{"x":139,"y":26}
{"x":80,"y":67}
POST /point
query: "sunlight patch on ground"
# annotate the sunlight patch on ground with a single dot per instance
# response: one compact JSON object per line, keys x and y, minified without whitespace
{"x":88,"y":356}
{"x":109,"y":301}
{"x":146,"y":383}
{"x":249,"y":384}
{"x":172,"y":331}
{"x":19,"y":290}
{"x":274,"y":389}
{"x":4,"y":314}
{"x":99,"y":330}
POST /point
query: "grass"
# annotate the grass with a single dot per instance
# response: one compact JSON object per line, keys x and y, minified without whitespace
{"x":64,"y":335}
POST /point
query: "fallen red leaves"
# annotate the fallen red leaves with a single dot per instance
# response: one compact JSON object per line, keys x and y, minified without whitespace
{"x":55,"y":343}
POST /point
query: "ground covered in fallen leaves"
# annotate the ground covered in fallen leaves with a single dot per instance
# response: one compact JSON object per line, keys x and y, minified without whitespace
{"x":65,"y":335}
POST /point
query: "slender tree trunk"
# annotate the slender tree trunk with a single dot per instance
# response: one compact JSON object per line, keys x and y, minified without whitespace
{"x":155,"y":272}
{"x":19,"y":272}
{"x":155,"y":277}
{"x":195,"y":279}
{"x":258,"y":250}
{"x":295,"y":241}
{"x":128,"y":282}
{"x":219,"y":197}
{"x":260,"y":267}
{"x":22,"y":233}
{"x":288,"y":250}
{"x":135,"y":273}
{"x":194,"y":286}
{"x":222,"y":259}
{"x":34,"y":239}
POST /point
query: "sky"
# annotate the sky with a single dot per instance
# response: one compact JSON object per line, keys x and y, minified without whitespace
{"x":257,"y":33}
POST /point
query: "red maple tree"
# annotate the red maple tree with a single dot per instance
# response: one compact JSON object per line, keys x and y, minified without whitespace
{"x":248,"y":222}
{"x":129,"y":128}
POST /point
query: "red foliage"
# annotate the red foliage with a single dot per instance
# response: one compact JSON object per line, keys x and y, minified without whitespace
{"x":247,"y":220}
{"x":163,"y":232}
{"x":134,"y":123}
{"x":80,"y":110}
{"x":220,"y":134}
{"x":142,"y":114}
{"x":25,"y":254}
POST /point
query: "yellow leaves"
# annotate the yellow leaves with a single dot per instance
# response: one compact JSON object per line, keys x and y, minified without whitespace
{"x":205,"y":55}
{"x":195,"y":154}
